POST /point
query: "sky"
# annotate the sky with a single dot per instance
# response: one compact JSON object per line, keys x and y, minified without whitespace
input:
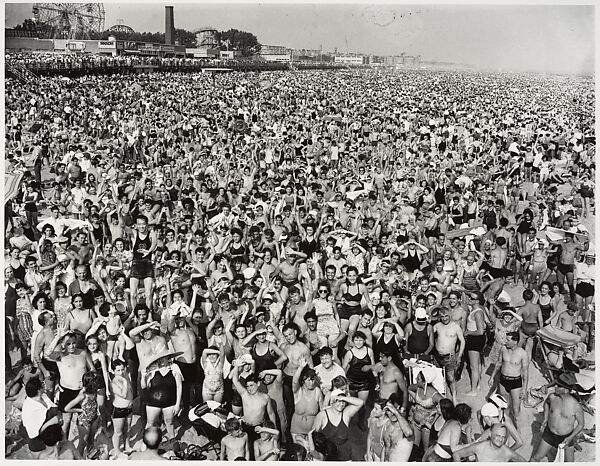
{"x":541,"y":38}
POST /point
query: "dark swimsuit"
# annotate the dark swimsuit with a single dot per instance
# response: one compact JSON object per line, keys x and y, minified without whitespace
{"x":162,"y":390}
{"x":391,"y":347}
{"x":339,"y":436}
{"x":511,"y":383}
{"x":358,"y":380}
{"x":529,"y":328}
{"x":263,"y":361}
{"x":418,"y":341}
{"x":348,"y":310}
{"x":141,"y":267}
{"x":411,"y":262}
{"x":546,"y":311}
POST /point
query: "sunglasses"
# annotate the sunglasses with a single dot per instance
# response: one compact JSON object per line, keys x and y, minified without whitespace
{"x":323,"y":291}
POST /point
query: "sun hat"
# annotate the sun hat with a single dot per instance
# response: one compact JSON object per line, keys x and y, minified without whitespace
{"x":161,"y":355}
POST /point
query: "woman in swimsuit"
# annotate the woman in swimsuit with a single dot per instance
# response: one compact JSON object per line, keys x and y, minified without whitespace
{"x":80,"y":320}
{"x":266,"y":355}
{"x":100,"y":364}
{"x":413,"y":254}
{"x":237,"y":246}
{"x":86,"y":406}
{"x":328,"y":321}
{"x":62,"y":303}
{"x":475,"y":342}
{"x":424,"y":411}
{"x":449,"y":438}
{"x":467,"y":274}
{"x":308,"y":401}
{"x":333,"y":422}
{"x":162,"y":383}
{"x":213,"y":386}
{"x":446,"y":409}
{"x":352,"y":295}
{"x":544,"y":300}
{"x":388,"y":336}
{"x":358,"y":364}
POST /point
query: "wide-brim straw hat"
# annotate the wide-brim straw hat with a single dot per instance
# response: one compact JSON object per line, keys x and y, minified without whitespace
{"x":162,"y":355}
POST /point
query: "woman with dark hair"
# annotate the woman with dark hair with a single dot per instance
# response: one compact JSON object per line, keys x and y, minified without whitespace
{"x":449,"y":437}
{"x":446,"y":409}
{"x":308,"y":401}
{"x":334,"y":422}
{"x":352,"y":294}
{"x":79,"y":319}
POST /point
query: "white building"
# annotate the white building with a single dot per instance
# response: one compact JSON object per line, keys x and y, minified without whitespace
{"x":349,"y":60}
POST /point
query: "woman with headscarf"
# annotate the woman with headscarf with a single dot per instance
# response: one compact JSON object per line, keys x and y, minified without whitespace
{"x":424,"y":411}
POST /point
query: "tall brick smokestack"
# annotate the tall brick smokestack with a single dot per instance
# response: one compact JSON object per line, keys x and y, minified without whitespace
{"x":169,"y":26}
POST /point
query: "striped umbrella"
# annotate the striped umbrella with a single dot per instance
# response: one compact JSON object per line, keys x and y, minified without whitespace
{"x":11,"y":184}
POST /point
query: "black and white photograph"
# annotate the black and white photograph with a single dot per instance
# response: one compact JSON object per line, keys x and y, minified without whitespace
{"x":300,"y":231}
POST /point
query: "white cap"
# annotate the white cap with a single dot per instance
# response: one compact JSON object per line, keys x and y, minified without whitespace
{"x":490,"y":409}
{"x":337,"y":392}
{"x":421,"y":314}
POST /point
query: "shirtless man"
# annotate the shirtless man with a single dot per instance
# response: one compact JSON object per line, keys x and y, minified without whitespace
{"x":297,"y":308}
{"x":457,"y":312}
{"x":308,"y":401}
{"x":295,"y":350}
{"x":183,"y":339}
{"x":566,"y":265}
{"x":399,"y":437}
{"x":72,"y":364}
{"x":563,"y":421}
{"x":493,"y":450}
{"x":391,"y":380}
{"x":152,"y":437}
{"x":43,"y":345}
{"x":513,"y":364}
{"x":330,"y":277}
{"x":256,"y":406}
{"x":448,"y":334}
{"x":524,"y":254}
{"x":497,"y":260}
{"x":289,"y":269}
{"x":532,"y":320}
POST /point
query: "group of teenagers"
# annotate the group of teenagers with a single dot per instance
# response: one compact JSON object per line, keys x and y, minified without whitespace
{"x":326,"y":255}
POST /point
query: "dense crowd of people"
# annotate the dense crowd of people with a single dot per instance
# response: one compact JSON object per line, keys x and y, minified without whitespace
{"x":327,"y":255}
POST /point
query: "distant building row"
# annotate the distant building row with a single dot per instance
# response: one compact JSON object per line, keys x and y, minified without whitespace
{"x":270,"y":53}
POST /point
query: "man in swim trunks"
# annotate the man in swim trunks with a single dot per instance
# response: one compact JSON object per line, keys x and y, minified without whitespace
{"x":532,"y":320}
{"x":448,"y":333}
{"x":497,"y":260}
{"x":566,"y":265}
{"x":514,"y":371}
{"x":563,"y":421}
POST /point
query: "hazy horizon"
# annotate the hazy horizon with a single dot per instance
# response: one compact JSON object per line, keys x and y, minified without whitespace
{"x":539,"y":38}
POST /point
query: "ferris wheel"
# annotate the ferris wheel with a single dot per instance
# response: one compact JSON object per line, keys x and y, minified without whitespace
{"x":71,"y":20}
